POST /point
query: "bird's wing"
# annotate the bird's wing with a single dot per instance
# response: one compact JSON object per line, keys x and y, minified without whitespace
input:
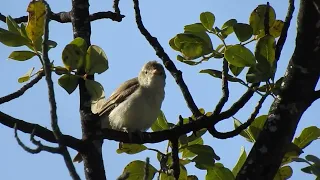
{"x":119,"y":95}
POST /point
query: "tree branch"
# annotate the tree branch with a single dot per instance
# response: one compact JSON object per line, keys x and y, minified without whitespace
{"x":177,"y":74}
{"x":40,"y":146}
{"x":243,"y":126}
{"x":225,"y":88}
{"x":53,"y":108}
{"x":22,"y":90}
{"x":116,"y":7}
{"x":284,"y":32}
{"x":65,"y":17}
{"x":316,"y":95}
{"x":146,"y":169}
{"x":175,"y":157}
{"x":40,"y":132}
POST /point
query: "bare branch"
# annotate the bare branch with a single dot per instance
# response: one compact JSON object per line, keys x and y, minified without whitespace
{"x":116,"y":6}
{"x":177,"y":74}
{"x":53,"y":108}
{"x":316,"y":95}
{"x":26,"y":148}
{"x":239,"y":104}
{"x":22,"y":90}
{"x":146,"y":169}
{"x":225,"y":88}
{"x":243,"y":126}
{"x":284,"y":32}
{"x":40,"y":132}
{"x":175,"y":158}
{"x":53,"y":150}
{"x":64,"y":17}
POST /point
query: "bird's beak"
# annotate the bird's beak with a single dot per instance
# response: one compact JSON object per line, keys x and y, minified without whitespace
{"x":156,"y":72}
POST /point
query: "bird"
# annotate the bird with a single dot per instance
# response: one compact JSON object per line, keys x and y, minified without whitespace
{"x":135,"y":105}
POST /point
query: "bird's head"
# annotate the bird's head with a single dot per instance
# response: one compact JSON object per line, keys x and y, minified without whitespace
{"x":152,"y":75}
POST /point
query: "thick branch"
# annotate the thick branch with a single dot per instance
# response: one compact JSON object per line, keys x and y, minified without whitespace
{"x":175,"y":158}
{"x":22,"y":90}
{"x":294,"y":98}
{"x":40,"y":131}
{"x":316,"y":95}
{"x":52,"y":101}
{"x":64,"y":17}
{"x":166,"y":61}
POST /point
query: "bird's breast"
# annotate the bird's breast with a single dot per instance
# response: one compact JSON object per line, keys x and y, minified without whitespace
{"x":138,"y":111}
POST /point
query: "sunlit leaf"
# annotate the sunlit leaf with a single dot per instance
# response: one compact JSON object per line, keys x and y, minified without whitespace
{"x":307,"y":135}
{"x":283,"y":173}
{"x":21,"y":55}
{"x":136,"y":170}
{"x":96,"y":60}
{"x":227,"y":27}
{"x":35,"y":26}
{"x":219,"y":172}
{"x":265,"y":49}
{"x":12,"y":25}
{"x":207,"y":19}
{"x":276,"y":28}
{"x":81,"y":43}
{"x":241,"y":160}
{"x":218,"y":74}
{"x":12,"y":39}
{"x":197,"y":27}
{"x":131,"y":148}
{"x":257,"y":18}
{"x":26,"y":76}
{"x":239,"y":56}
{"x":235,"y":70}
{"x":244,"y":133}
{"x":161,"y":123}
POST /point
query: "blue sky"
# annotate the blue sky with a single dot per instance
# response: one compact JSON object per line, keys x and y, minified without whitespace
{"x":127,"y":51}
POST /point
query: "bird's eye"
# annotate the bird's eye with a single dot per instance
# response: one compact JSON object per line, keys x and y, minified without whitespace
{"x":146,"y":72}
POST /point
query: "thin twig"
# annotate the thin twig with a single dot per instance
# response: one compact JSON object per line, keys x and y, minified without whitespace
{"x":316,"y":95}
{"x":243,"y":126}
{"x":146,"y":169}
{"x":225,"y":89}
{"x":239,"y":104}
{"x":166,"y":61}
{"x":284,"y":32}
{"x":53,"y":112}
{"x":64,"y":17}
{"x":53,"y":150}
{"x":22,"y":90}
{"x":41,"y":132}
{"x":175,"y":158}
{"x":26,"y":148}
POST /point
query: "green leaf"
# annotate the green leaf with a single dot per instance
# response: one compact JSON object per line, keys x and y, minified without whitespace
{"x":257,"y":125}
{"x":68,"y":82}
{"x":313,"y":159}
{"x":218,"y":74}
{"x":283,"y":173}
{"x":161,"y":123}
{"x":195,"y":138}
{"x":308,"y":135}
{"x":72,"y":57}
{"x":203,"y":162}
{"x":136,"y":170}
{"x":23,"y":31}
{"x":173,"y":45}
{"x":12,"y":39}
{"x":276,"y":28}
{"x":207,"y":19}
{"x":183,"y":140}
{"x":197,"y":27}
{"x":12,"y":25}
{"x":244,"y":133}
{"x":81,"y":43}
{"x":242,"y":31}
{"x":239,"y":56}
{"x":203,"y":150}
{"x":227,"y":27}
{"x":256,"y":20}
{"x":219,"y":172}
{"x":192,"y":177}
{"x":265,"y":49}
{"x":292,"y":151}
{"x":241,"y":160}
{"x":235,"y":70}
{"x":96,"y":60}
{"x":21,"y":55}
{"x":59,"y":70}
{"x":26,"y":76}
{"x":94,"y":88}
{"x":131,"y":148}
{"x":51,"y":44}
